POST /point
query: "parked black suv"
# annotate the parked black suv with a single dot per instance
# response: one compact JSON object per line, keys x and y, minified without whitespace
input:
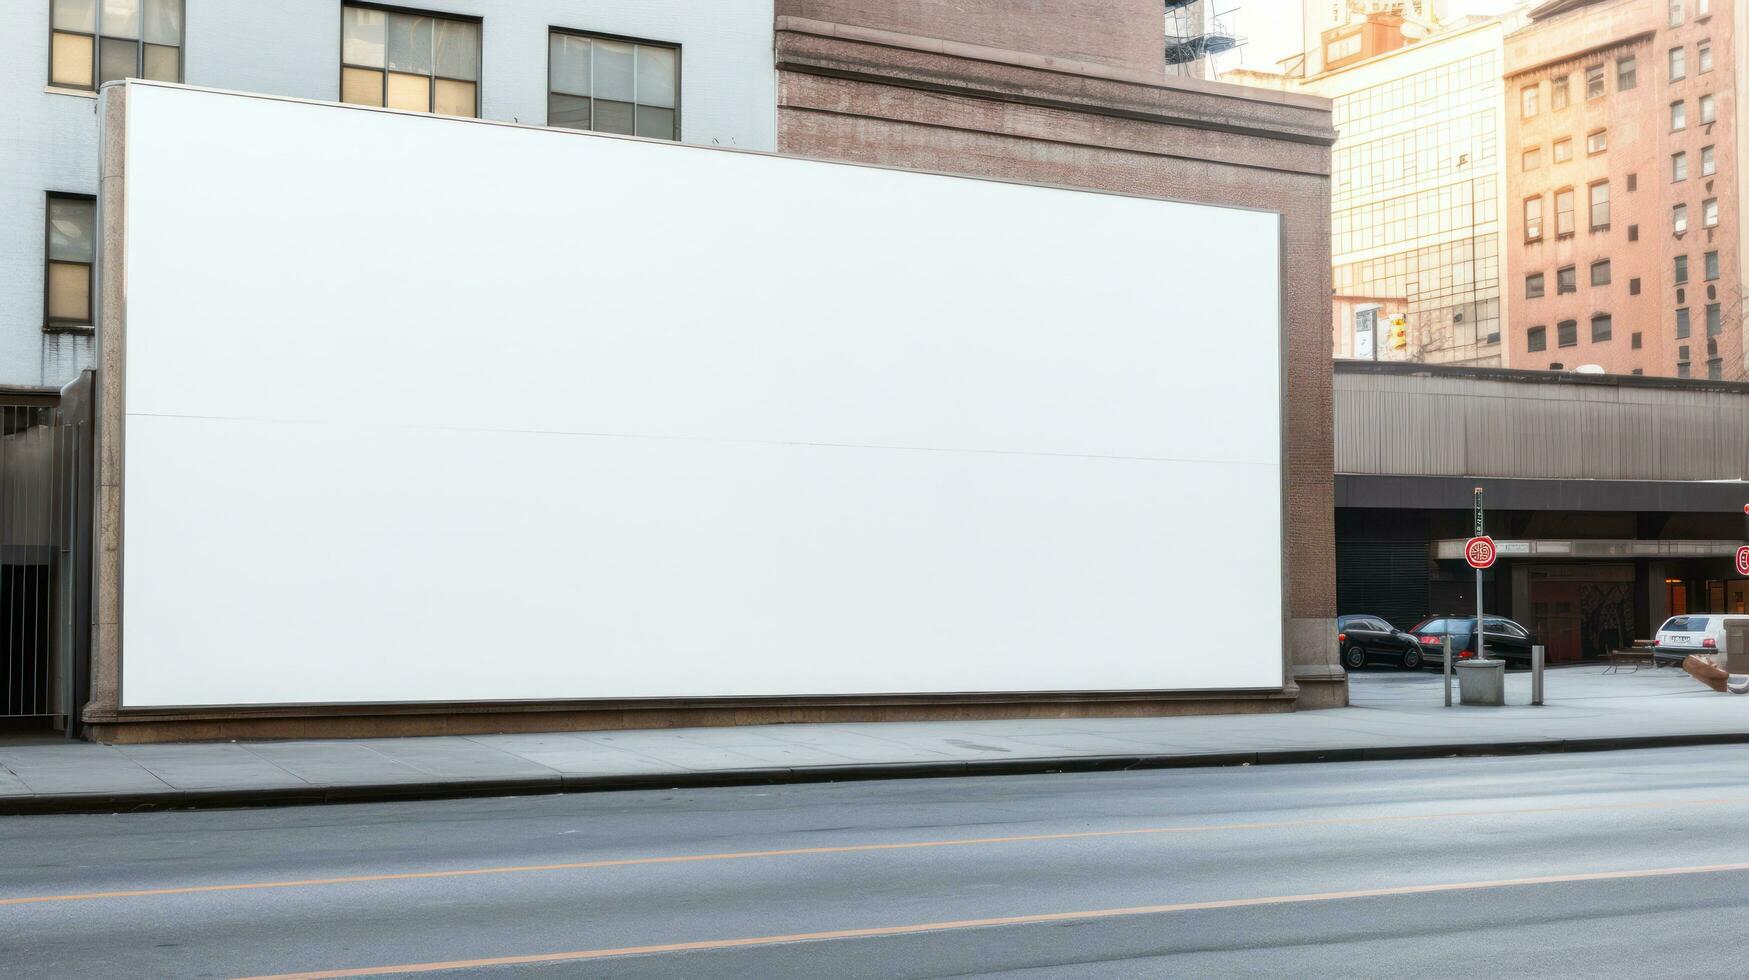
{"x":1371,"y":639}
{"x":1505,"y":639}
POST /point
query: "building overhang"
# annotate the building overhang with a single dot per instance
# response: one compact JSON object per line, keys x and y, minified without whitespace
{"x":1452,"y":549}
{"x":1457,"y":493}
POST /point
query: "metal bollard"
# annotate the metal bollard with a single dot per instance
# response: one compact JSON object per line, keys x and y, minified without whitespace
{"x":1536,"y":675}
{"x":1448,"y":670}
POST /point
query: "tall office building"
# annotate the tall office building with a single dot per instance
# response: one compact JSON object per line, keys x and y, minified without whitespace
{"x":1622,"y":246}
{"x":1418,"y":182}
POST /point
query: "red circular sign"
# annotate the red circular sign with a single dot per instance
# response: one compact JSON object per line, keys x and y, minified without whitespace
{"x":1479,"y":552}
{"x":1743,"y":560}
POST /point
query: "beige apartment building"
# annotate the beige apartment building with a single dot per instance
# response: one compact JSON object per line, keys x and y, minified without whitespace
{"x":1621,"y":237}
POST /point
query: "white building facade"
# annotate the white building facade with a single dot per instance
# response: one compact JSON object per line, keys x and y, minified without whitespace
{"x":699,"y":72}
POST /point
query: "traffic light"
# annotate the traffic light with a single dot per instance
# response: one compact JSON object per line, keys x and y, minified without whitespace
{"x":1399,"y":332}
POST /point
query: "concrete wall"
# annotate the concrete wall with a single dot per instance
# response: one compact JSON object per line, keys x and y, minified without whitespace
{"x":48,"y":139}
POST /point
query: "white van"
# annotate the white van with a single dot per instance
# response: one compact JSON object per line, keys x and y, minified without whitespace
{"x":1702,"y":633}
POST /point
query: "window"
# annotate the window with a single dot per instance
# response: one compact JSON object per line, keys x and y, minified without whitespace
{"x":1634,"y":286}
{"x":1601,"y":327}
{"x":1712,"y":266}
{"x":1567,"y":333}
{"x":1563,"y":150}
{"x":1682,"y":323}
{"x":69,"y":252}
{"x":1594,"y":82}
{"x":611,"y":86}
{"x":1558,"y":93}
{"x":1600,"y":205}
{"x":1681,"y":271}
{"x":1707,"y":165}
{"x":1597,"y":142}
{"x":1679,"y":218}
{"x":409,"y":61}
{"x":1600,"y":272}
{"x":92,"y":42}
{"x":1533,"y":285}
{"x":1715,"y":323}
{"x":1682,"y":369}
{"x":1678,"y":116}
{"x":1709,"y":109}
{"x":1537,"y":338}
{"x":1633,"y":233}
{"x":1633,"y":182}
{"x":1533,"y":218}
{"x":1346,"y":47}
{"x":1678,"y":64}
{"x":1564,"y":212}
{"x":1533,"y":158}
{"x":1636,"y":341}
{"x":1566,"y":280}
{"x":1675,"y":13}
{"x":1703,"y":56}
{"x":1527,"y":103}
{"x":1709,"y":212}
{"x":1715,"y":369}
{"x":1625,"y":72}
{"x":1678,"y":167}
{"x":1703,"y":7}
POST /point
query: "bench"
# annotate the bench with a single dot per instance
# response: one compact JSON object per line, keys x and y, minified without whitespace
{"x":1641,"y":655}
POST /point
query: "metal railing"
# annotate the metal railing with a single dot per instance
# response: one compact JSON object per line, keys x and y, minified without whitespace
{"x":44,"y":557}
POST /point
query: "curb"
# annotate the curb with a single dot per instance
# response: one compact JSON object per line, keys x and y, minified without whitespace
{"x":66,"y":803}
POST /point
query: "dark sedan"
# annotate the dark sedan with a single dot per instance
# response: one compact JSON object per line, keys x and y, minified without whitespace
{"x":1364,"y":640}
{"x":1505,"y":640}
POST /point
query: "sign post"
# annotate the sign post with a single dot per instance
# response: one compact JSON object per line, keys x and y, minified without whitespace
{"x":1479,"y":552}
{"x":1482,"y":681}
{"x":1448,"y":667}
{"x":1743,"y":552}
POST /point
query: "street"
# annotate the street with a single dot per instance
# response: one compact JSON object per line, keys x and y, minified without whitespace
{"x":1250,"y":871}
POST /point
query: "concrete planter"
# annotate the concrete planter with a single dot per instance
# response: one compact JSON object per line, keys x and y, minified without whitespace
{"x":1482,"y":682}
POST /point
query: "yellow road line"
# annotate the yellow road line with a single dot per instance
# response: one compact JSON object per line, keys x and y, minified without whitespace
{"x":862,"y":848}
{"x":1007,"y":920}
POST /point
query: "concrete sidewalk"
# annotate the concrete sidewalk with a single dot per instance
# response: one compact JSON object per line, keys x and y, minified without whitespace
{"x":1393,"y":715}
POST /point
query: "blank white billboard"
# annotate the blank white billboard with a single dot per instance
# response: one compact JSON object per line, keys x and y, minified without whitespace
{"x":422,"y":409}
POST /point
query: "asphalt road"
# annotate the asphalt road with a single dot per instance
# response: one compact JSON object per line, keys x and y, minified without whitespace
{"x":1333,"y":870}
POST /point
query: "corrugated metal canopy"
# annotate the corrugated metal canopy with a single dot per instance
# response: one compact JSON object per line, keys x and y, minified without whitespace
{"x":1423,"y":420}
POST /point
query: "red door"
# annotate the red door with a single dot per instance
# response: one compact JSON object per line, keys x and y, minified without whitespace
{"x":1556,"y":619}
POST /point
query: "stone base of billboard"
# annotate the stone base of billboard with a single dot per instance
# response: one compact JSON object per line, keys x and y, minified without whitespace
{"x":374,"y":721}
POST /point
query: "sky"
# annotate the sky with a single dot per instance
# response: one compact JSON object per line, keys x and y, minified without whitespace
{"x":1272,"y":28}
